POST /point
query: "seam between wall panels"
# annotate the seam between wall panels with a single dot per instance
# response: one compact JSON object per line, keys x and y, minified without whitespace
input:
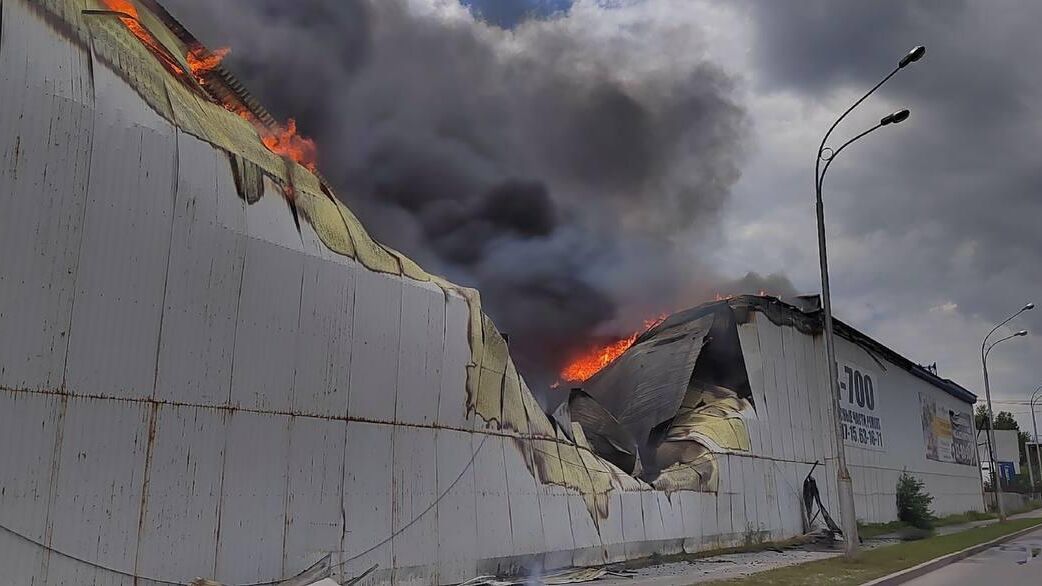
{"x":169,"y":254}
{"x":83,"y":215}
{"x":52,"y":489}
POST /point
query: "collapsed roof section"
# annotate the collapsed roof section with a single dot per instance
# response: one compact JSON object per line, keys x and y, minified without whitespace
{"x":681,"y":393}
{"x":661,"y":410}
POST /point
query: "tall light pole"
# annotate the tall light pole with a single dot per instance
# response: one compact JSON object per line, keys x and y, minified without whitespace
{"x":996,"y":484}
{"x":1038,"y":457}
{"x":846,"y":486}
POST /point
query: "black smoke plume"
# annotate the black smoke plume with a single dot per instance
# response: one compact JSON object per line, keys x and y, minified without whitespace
{"x":571,"y":169}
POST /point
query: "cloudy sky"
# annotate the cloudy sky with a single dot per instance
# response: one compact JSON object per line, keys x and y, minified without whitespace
{"x":678,"y":136}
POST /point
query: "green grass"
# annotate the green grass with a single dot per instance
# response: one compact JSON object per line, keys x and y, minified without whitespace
{"x":881,"y":561}
{"x":870,"y":530}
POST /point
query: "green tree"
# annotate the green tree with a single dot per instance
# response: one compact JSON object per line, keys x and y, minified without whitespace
{"x":1004,"y":420}
{"x":913,"y":503}
{"x":981,"y":416}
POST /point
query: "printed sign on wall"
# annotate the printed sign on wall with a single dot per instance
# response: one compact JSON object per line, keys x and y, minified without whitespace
{"x":859,"y":407}
{"x":948,"y":433}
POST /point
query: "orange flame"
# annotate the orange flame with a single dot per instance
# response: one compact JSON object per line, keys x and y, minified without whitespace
{"x":287,"y":143}
{"x":595,"y":359}
{"x":202,"y":61}
{"x":283,"y":141}
{"x":129,"y":17}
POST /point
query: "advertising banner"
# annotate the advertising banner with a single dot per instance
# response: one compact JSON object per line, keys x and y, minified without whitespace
{"x":859,"y":410}
{"x":948,"y":433}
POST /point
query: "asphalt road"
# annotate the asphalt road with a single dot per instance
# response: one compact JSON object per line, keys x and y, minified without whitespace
{"x":1013,"y":563}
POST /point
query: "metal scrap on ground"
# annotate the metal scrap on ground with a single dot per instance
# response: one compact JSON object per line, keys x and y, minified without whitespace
{"x":576,"y":576}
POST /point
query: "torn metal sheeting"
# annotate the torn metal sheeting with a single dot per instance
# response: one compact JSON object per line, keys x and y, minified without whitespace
{"x":646,"y":385}
{"x":652,"y":412}
{"x":608,"y":438}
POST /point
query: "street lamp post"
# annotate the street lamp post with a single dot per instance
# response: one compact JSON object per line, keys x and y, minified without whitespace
{"x":846,"y":487}
{"x":995,"y":481}
{"x":1034,"y":425}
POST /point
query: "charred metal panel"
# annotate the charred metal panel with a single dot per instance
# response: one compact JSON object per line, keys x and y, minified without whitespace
{"x":203,"y":281}
{"x":525,"y":521}
{"x":46,"y":127}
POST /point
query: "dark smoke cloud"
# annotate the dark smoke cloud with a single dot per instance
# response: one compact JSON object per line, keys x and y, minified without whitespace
{"x":566,"y":168}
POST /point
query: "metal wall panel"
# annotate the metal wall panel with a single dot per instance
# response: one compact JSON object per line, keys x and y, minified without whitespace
{"x":253,"y":499}
{"x":269,"y":306}
{"x":672,"y":515}
{"x":102,"y":455}
{"x":322,"y":370}
{"x":588,"y":545}
{"x":46,"y":127}
{"x":632,"y":521}
{"x":452,"y":403}
{"x":314,"y":501}
{"x":202,"y":283}
{"x":557,"y":524}
{"x":421,"y":353}
{"x":368,"y":496}
{"x":30,"y":424}
{"x":375,"y":346}
{"x":611,"y":530}
{"x":414,"y":522}
{"x":457,"y":520}
{"x":493,"y":504}
{"x":525,"y":519}
{"x":182,"y":501}
{"x":121,"y":279}
{"x":710,"y":521}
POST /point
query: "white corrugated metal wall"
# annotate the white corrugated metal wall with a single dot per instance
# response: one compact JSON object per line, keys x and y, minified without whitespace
{"x":794,"y":424}
{"x":190,"y":386}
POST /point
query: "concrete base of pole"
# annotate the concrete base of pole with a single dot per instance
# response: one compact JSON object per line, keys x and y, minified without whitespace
{"x":846,"y":508}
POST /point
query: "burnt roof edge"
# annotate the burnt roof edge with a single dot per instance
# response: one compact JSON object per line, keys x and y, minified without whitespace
{"x":810,"y":322}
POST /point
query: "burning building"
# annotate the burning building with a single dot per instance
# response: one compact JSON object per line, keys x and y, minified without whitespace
{"x":208,"y":368}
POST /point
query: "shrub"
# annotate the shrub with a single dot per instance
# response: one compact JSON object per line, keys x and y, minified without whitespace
{"x":913,"y":504}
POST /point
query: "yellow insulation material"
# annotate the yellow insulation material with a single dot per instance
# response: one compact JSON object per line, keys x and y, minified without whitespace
{"x":488,"y":403}
{"x":714,"y":413}
{"x":515,"y":417}
{"x":327,"y":221}
{"x":373,"y":256}
{"x":114,"y":44}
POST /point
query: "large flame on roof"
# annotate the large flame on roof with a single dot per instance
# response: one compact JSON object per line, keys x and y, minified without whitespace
{"x":283,"y":140}
{"x":595,"y":359}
